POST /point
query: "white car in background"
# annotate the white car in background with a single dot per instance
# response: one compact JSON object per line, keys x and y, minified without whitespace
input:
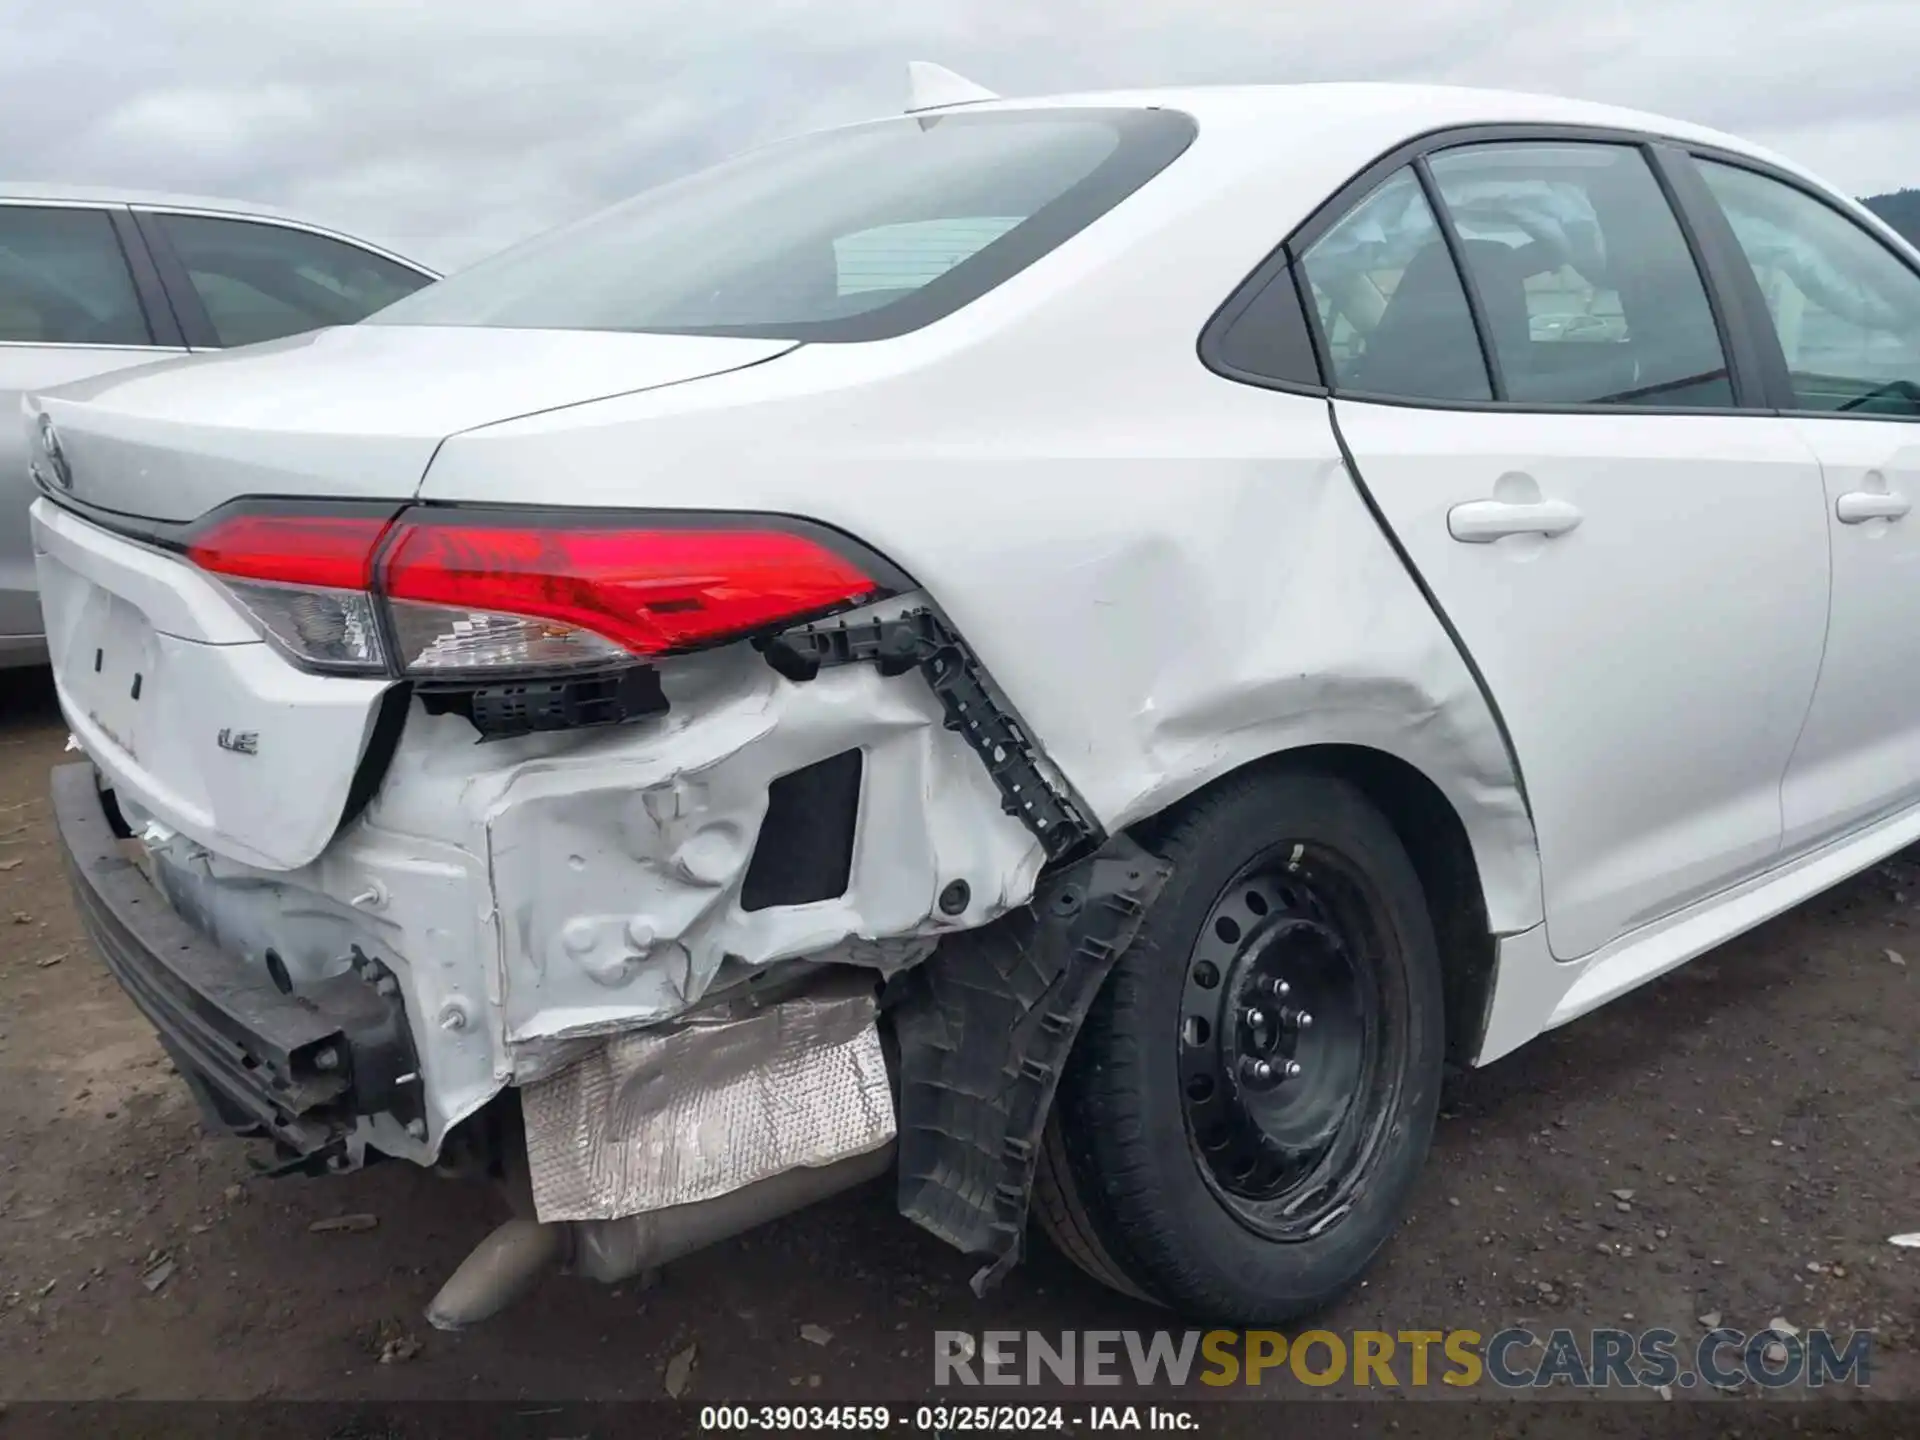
{"x":93,"y":281}
{"x":1081,"y":648}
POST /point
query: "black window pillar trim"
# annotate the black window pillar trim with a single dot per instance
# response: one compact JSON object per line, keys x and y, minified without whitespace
{"x":1739,"y":309}
{"x":1776,"y":377}
{"x":163,"y":326}
{"x":196,"y":326}
{"x":1469,"y":282}
{"x":1296,"y":273}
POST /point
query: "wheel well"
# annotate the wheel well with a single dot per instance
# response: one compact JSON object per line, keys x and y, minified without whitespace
{"x":1437,"y":843}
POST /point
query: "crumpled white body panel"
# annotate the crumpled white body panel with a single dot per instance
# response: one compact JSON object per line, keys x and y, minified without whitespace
{"x":617,"y":861}
{"x":535,"y":895}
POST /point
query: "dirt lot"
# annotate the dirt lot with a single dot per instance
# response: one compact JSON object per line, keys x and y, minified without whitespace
{"x":1760,"y":1105}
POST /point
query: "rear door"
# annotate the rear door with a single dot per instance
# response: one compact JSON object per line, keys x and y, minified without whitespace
{"x":1537,"y":393}
{"x":72,"y":304}
{"x":237,"y":281}
{"x":1844,"y":307}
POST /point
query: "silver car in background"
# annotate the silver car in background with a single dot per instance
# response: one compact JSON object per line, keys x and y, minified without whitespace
{"x":93,"y":281}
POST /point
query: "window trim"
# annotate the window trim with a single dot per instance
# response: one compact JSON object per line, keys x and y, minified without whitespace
{"x":1463,"y":273}
{"x":195,"y":324}
{"x":163,"y":334}
{"x":1777,"y":375}
{"x":1745,"y":352}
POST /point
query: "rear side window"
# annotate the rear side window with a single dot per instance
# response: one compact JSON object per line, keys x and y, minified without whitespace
{"x":1586,"y":285}
{"x":64,"y":280}
{"x":1392,"y":310}
{"x":1846,"y":309}
{"x":854,"y":234}
{"x":260,"y":282}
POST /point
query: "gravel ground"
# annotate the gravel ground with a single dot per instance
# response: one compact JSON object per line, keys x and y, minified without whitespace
{"x":1759,"y":1105}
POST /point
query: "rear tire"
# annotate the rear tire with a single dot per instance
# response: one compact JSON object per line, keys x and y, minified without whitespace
{"x":1185,"y":1161}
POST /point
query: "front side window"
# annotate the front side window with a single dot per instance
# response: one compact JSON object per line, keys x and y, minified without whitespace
{"x":1587,"y":287}
{"x":852,"y":234}
{"x":261,"y":281}
{"x":1846,"y":309}
{"x":64,"y":279}
{"x":1392,"y":310}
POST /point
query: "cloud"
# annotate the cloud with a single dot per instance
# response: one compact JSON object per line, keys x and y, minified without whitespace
{"x":448,"y":128}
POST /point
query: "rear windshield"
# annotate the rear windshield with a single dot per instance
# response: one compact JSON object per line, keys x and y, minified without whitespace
{"x":852,"y":234}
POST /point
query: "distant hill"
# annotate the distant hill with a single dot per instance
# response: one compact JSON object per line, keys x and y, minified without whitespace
{"x":1901,"y":210}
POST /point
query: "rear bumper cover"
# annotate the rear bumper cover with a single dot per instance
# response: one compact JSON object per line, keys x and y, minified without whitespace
{"x":299,"y":1067}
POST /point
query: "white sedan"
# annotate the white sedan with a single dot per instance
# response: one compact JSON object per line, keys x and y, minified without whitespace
{"x":1078,"y":651}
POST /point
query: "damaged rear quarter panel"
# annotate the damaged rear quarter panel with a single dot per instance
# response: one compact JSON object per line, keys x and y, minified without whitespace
{"x":1169,"y":575}
{"x":616,"y":857}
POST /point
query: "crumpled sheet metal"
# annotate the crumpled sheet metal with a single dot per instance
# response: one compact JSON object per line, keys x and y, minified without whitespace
{"x":671,"y":1116}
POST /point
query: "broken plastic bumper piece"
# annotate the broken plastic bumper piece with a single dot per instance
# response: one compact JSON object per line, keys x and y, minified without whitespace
{"x":258,"y":1060}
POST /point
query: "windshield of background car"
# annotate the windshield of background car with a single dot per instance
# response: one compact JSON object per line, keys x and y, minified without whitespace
{"x":854,"y":234}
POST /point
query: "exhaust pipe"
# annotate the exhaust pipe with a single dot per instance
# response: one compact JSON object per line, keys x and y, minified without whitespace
{"x":501,"y":1269}
{"x":510,"y":1261}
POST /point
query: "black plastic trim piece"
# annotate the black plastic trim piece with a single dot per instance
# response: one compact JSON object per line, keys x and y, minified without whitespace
{"x":1721,"y":272}
{"x":984,"y":1029}
{"x":1278,"y":292}
{"x":383,"y":739}
{"x":535,"y":704}
{"x":921,"y":640}
{"x":1463,"y":272}
{"x":298,"y":1067}
{"x":804,"y":851}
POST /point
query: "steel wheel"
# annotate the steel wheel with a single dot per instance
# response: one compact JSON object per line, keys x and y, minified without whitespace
{"x":1286,"y":1066}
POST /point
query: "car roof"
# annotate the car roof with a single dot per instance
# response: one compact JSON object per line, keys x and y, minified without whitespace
{"x":1382,"y":111}
{"x":156,"y":199}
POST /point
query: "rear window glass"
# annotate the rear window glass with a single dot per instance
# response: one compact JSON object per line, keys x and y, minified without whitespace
{"x":853,"y":234}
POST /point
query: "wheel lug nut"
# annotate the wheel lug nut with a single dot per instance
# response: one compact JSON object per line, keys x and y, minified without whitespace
{"x":1279,"y":989}
{"x":1256,"y":1070}
{"x":1304,"y":1021}
{"x":1291,"y":1069}
{"x":1256,"y":1017}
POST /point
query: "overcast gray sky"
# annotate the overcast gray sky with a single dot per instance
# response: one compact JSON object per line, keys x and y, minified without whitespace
{"x":449,"y":128}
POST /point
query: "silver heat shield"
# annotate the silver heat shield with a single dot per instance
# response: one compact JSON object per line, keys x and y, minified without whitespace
{"x":684,"y":1113}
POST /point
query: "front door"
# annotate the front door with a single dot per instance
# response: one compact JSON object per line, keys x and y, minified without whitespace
{"x":1846,"y":311}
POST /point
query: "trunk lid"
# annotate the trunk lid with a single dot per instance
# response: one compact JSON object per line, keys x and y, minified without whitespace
{"x":191,"y":716}
{"x":351,"y":412}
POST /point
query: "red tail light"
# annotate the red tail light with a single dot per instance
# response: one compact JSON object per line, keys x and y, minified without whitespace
{"x":306,"y":579}
{"x":468,"y":591}
{"x":649,"y":591}
{"x":335,"y":551}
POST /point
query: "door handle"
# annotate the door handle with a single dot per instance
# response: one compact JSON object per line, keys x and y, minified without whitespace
{"x":1860,"y":505}
{"x":1481,"y":522}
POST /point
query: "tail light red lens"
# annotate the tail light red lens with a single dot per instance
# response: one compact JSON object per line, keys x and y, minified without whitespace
{"x":333,"y":551}
{"x":306,"y":579}
{"x":468,"y":591}
{"x":649,"y":591}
